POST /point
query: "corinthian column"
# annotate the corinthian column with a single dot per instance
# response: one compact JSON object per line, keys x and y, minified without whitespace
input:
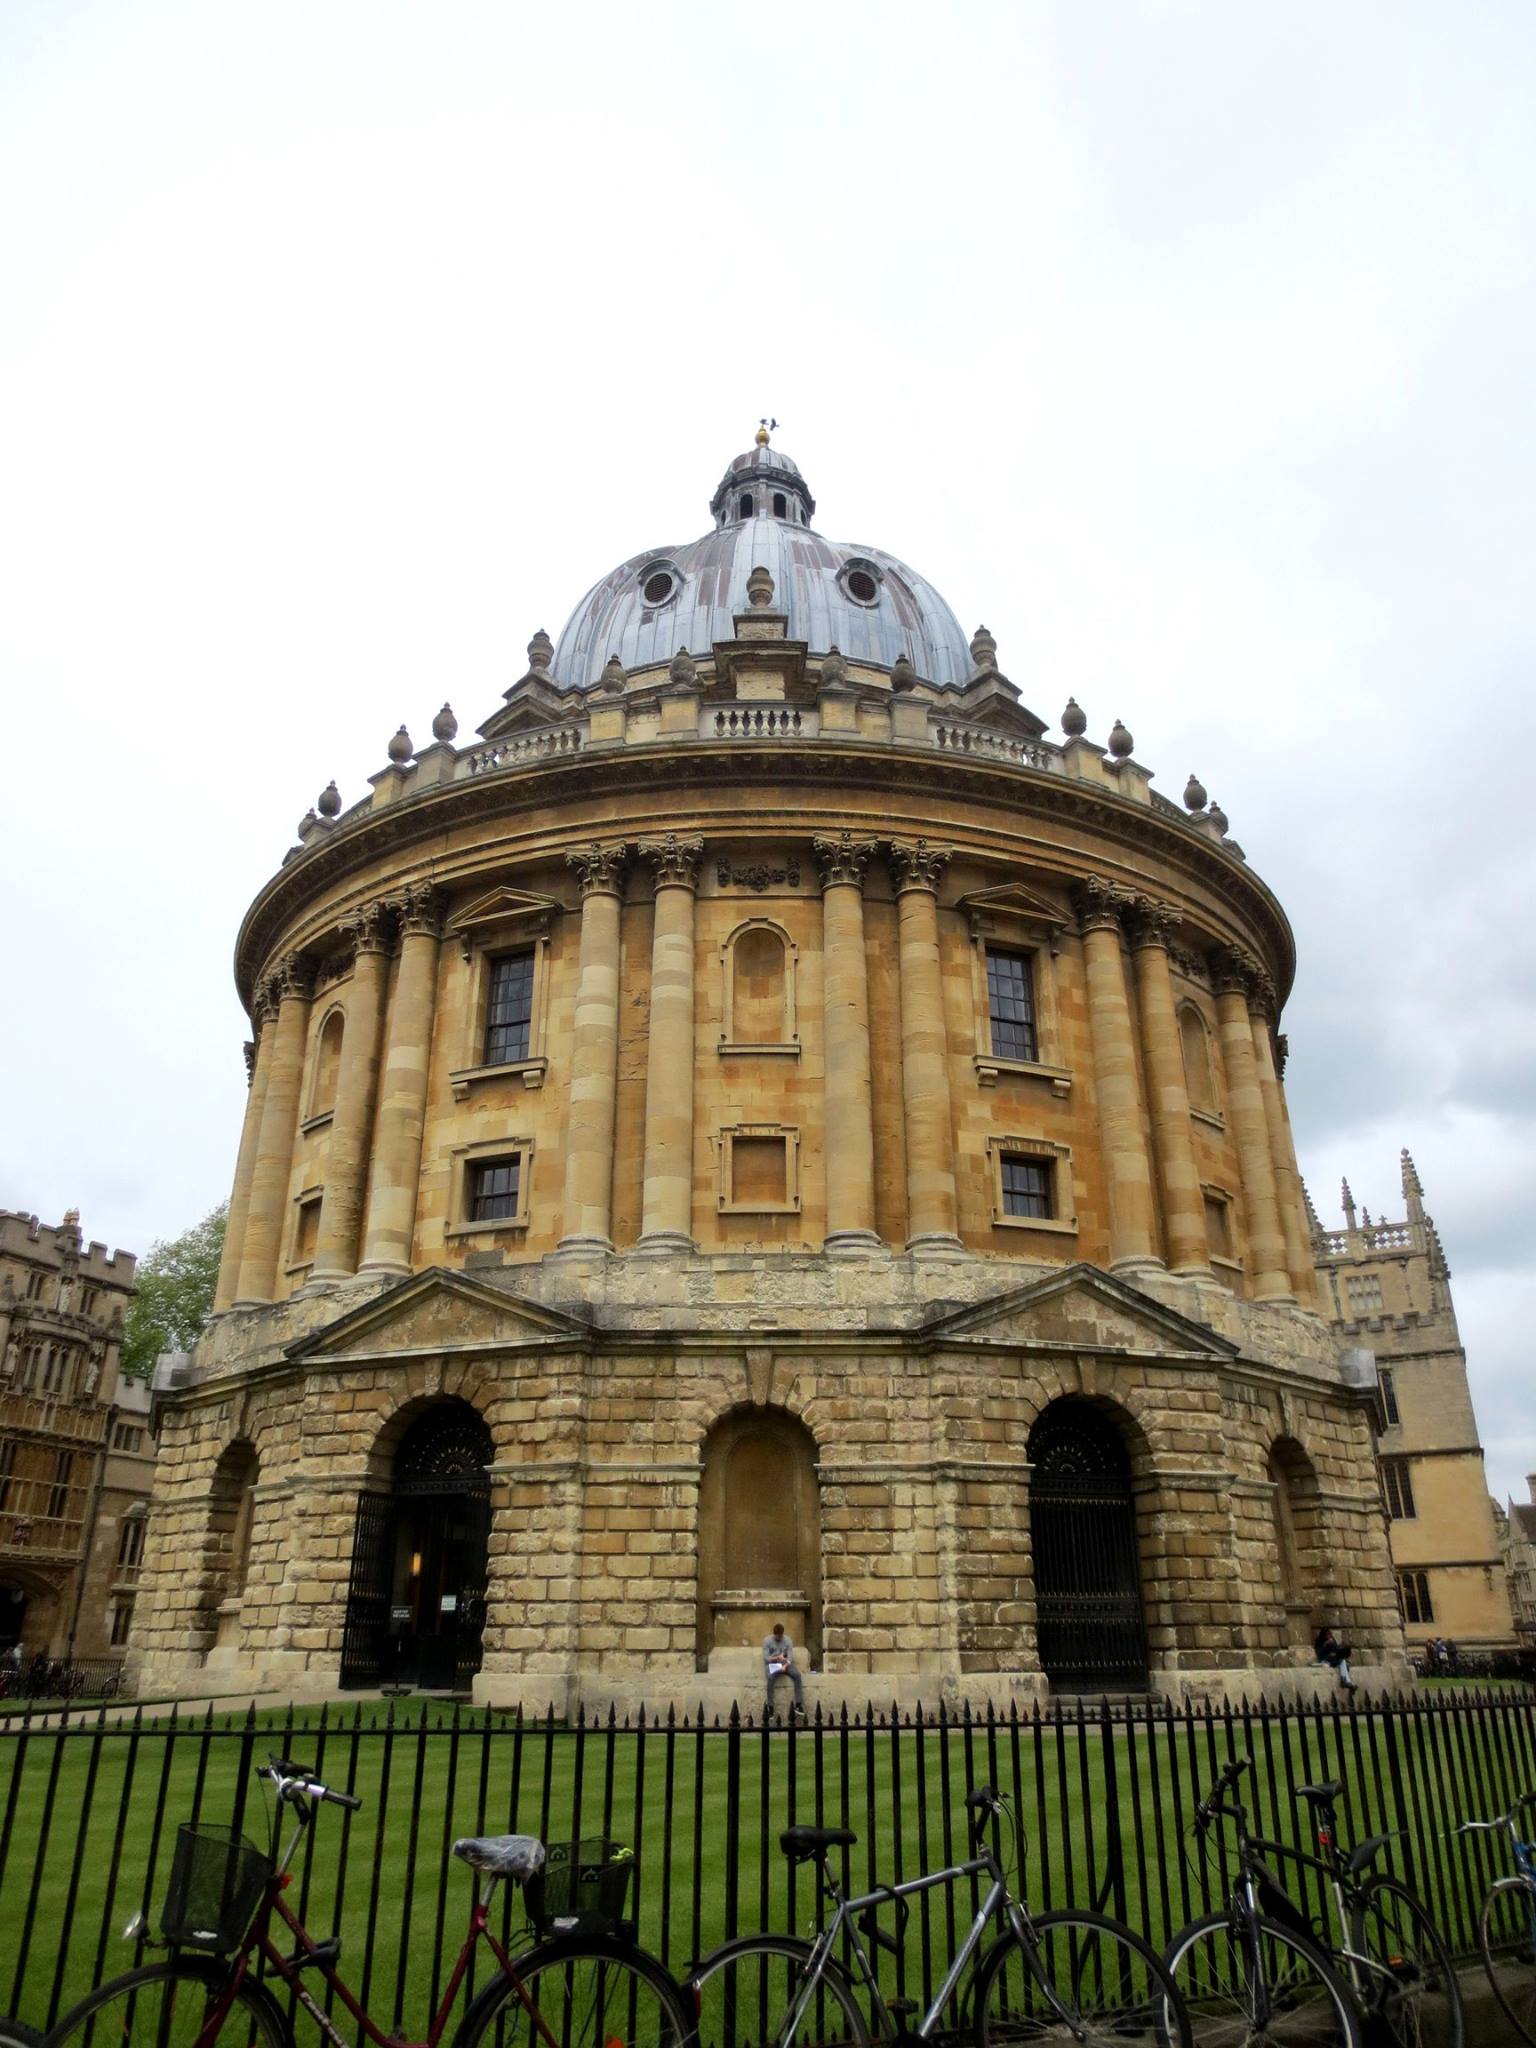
{"x":1127,"y":1169}
{"x":666,"y":1217}
{"x":259,"y":1055}
{"x":594,"y":1053}
{"x":265,"y":1212}
{"x":357,"y":1087}
{"x":1293,"y":1227}
{"x":850,"y":1145}
{"x":932,"y":1210}
{"x":403,"y":1090}
{"x":1150,"y":925}
{"x":1235,"y":977}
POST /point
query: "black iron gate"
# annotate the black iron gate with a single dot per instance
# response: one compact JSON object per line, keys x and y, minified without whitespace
{"x":365,"y":1633}
{"x":1087,"y":1573}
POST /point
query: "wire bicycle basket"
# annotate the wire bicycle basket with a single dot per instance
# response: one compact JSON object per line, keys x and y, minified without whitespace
{"x":581,"y":1888}
{"x":217,"y":1878}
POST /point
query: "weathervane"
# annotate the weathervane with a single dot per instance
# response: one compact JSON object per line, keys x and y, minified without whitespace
{"x":764,"y":428}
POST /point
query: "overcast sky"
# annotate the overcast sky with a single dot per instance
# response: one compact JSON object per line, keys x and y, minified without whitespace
{"x":1188,"y":346}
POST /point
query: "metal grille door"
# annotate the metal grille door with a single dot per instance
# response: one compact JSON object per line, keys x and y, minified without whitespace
{"x":1087,"y":1573}
{"x":366,"y":1631}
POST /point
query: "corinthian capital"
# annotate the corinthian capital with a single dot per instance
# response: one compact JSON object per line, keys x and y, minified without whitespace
{"x":915,"y":864}
{"x":1099,"y":904}
{"x":366,"y":929}
{"x":292,"y":977}
{"x":264,"y":999}
{"x":420,"y":908}
{"x":1235,"y":972}
{"x":600,"y":869}
{"x":675,"y":861}
{"x":1150,"y":922}
{"x":843,"y":859}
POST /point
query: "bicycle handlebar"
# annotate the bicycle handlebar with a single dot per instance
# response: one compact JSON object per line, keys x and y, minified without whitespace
{"x":297,"y":1781}
{"x":1505,"y":1820}
{"x":1224,"y":1780}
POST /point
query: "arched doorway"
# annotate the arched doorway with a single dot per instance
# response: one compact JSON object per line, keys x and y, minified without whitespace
{"x":416,"y":1602}
{"x":13,"y":1615}
{"x":759,"y":1536}
{"x":1082,"y":1519}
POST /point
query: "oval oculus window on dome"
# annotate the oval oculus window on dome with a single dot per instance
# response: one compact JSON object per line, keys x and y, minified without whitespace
{"x":861,"y":581}
{"x":659,"y":583}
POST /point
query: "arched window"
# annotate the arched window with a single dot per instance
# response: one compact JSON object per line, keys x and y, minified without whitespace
{"x":231,"y":1511}
{"x":746,"y":504}
{"x":759,"y":1536}
{"x":322,"y":1092}
{"x":1199,"y":1078}
{"x":758,"y":998}
{"x":780,"y":505}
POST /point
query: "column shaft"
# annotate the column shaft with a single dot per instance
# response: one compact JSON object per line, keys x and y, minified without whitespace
{"x":1127,"y":1168}
{"x":228,"y":1284}
{"x":1266,"y":1240}
{"x":850,"y":1144}
{"x":932,"y":1207}
{"x":1293,"y":1223}
{"x":1178,"y":1178}
{"x":402,"y":1105}
{"x":666,"y":1223}
{"x":588,"y":1215}
{"x":357,"y":1087}
{"x":266,"y":1212}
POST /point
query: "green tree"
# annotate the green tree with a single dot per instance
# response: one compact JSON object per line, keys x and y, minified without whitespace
{"x":173,"y":1293}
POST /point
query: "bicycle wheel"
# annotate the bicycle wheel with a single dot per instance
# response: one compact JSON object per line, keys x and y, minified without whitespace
{"x":1506,"y":1934}
{"x":1418,"y":1999}
{"x":166,"y":2005}
{"x":743,"y":1993}
{"x":590,"y":1992}
{"x":1114,"y":1988}
{"x":14,"y":2035}
{"x":1301,"y":2003}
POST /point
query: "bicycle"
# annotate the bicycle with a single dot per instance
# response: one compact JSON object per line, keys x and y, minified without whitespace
{"x":1256,"y":1973}
{"x":1506,"y":1927}
{"x":1067,"y":1974}
{"x":584,"y":1985}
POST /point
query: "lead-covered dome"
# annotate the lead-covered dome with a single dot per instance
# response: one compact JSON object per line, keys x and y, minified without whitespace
{"x":859,"y":599}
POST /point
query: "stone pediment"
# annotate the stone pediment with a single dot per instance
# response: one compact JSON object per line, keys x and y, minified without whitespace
{"x":1011,"y":902}
{"x":437,"y":1310}
{"x":502,"y":914}
{"x":1081,"y":1308}
{"x":534,"y":700}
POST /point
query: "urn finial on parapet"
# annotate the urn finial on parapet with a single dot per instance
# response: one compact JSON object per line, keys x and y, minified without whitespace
{"x":1194,"y":793}
{"x":445,"y":726}
{"x":903,"y":676}
{"x":1074,"y":720}
{"x":541,"y":652}
{"x":400,"y":748}
{"x":684,"y":670}
{"x":328,"y":802}
{"x":760,"y":589}
{"x":613,"y":678}
{"x":834,"y":670}
{"x":1121,"y":744}
{"x":1218,"y":817}
{"x":983,"y":649}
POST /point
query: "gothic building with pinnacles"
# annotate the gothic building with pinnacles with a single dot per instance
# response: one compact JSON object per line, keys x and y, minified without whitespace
{"x":764,"y":1132}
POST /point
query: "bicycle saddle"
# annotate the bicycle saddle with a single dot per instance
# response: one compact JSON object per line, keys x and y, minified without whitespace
{"x":800,"y":1842}
{"x":1365,"y":1852}
{"x":516,"y":1857}
{"x":1322,"y":1795}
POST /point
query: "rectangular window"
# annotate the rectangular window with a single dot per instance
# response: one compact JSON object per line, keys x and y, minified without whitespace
{"x":1362,"y":1294}
{"x":122,"y":1621}
{"x":1026,"y":1185}
{"x":1011,"y":1004}
{"x":58,"y":1493}
{"x":34,"y":1286}
{"x":1389,"y":1415}
{"x":88,"y":1301}
{"x":130,"y":1544}
{"x":306,"y":1232}
{"x":509,"y":1011}
{"x":493,"y":1189}
{"x":1413,"y":1592}
{"x":1218,"y":1227}
{"x":127,"y":1436}
{"x":759,"y":1173}
{"x":1399,"y":1489}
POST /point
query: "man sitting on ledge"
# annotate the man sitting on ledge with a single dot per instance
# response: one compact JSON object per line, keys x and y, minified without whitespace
{"x":779,"y":1662}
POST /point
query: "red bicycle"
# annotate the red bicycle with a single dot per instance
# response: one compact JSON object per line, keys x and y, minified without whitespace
{"x":584,"y":1985}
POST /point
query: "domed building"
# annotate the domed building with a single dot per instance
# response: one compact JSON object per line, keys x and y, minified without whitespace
{"x":763,"y":1133}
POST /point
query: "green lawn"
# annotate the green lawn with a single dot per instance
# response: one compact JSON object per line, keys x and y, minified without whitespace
{"x":79,"y":1849}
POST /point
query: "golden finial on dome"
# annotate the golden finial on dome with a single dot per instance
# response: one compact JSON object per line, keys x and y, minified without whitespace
{"x":764,"y":428}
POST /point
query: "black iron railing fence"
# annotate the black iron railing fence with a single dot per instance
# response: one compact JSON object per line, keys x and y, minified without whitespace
{"x":89,"y":1809}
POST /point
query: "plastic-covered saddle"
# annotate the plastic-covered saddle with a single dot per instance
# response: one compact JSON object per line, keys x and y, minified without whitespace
{"x":514,"y":1857}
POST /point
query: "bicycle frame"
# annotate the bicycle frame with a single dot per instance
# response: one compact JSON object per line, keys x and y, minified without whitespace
{"x":826,"y":1942}
{"x":258,"y":1941}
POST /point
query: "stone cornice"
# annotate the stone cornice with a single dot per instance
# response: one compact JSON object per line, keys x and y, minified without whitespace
{"x":540,"y":787}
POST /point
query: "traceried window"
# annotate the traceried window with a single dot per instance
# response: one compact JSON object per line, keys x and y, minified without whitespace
{"x":1399,"y":1489}
{"x":1388,"y":1392}
{"x":130,"y":1544}
{"x":1362,"y":1294}
{"x":1026,"y":1185}
{"x":509,"y":1010}
{"x":1011,"y":1004}
{"x":122,"y":1622}
{"x":1413,"y":1592}
{"x":493,"y":1189}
